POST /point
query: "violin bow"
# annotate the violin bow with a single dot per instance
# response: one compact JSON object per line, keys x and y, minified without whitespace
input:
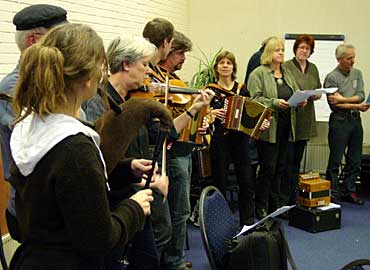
{"x":159,"y":145}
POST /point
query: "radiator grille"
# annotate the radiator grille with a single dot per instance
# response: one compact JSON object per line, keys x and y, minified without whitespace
{"x":317,"y":156}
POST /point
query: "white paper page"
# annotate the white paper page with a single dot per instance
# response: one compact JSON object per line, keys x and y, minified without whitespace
{"x":274,"y":214}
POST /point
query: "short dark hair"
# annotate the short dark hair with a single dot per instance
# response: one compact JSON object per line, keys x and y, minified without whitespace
{"x":181,"y":42}
{"x":158,"y":30}
{"x":304,"y":38}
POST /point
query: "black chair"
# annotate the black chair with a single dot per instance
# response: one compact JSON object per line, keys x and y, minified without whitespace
{"x":217,"y":223}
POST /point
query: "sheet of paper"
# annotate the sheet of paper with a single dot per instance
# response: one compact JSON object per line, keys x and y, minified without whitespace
{"x":301,"y":95}
{"x":274,"y":214}
{"x":330,"y":206}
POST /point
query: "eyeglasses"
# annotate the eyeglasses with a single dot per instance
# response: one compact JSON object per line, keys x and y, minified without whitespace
{"x":304,"y":48}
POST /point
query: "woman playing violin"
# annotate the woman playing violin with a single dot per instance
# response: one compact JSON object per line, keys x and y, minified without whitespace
{"x":230,"y":144}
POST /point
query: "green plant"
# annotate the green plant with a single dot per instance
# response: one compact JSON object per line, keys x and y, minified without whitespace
{"x":205,"y":74}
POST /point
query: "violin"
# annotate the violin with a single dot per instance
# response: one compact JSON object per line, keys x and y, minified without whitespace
{"x":178,"y":92}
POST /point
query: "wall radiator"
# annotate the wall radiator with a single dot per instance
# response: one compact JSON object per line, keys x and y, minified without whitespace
{"x":317,"y":155}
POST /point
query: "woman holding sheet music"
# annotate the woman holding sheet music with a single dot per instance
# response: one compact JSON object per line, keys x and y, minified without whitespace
{"x":307,"y":77}
{"x":272,"y":85}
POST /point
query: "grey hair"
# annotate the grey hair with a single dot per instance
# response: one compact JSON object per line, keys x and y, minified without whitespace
{"x":21,"y":36}
{"x":341,"y":50}
{"x":127,"y":48}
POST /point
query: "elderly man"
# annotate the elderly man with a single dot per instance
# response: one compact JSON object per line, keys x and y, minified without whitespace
{"x":345,"y":128}
{"x":31,"y":24}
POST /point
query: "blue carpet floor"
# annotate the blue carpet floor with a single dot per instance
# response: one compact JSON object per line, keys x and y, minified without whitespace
{"x":328,"y":250}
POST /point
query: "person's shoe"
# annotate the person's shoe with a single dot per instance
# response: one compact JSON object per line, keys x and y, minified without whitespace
{"x":261,"y":213}
{"x":353,"y":198}
{"x":188,"y":264}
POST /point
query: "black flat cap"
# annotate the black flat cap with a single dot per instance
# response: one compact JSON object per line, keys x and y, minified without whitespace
{"x":40,"y":15}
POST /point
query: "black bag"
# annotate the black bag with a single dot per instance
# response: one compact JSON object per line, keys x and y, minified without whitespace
{"x":263,"y":249}
{"x":356,"y":265}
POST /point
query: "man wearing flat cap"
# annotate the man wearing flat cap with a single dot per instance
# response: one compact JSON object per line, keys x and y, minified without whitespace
{"x":31,"y":24}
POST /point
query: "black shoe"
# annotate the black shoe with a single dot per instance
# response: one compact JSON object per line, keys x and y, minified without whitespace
{"x":353,"y":198}
{"x":261,"y":213}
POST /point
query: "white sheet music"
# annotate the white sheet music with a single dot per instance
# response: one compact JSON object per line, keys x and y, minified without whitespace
{"x":274,"y":214}
{"x":301,"y":95}
{"x":324,"y":59}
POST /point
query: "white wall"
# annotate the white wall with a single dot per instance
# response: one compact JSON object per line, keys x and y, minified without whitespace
{"x":108,"y":17}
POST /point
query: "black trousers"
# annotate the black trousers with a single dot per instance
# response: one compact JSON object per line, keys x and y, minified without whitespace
{"x":345,"y":138}
{"x":273,"y":165}
{"x":289,"y":184}
{"x":234,"y":145}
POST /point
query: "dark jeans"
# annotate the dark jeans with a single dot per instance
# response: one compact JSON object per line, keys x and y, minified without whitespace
{"x":345,"y":132}
{"x":143,"y":255}
{"x":236,"y":145}
{"x":179,"y":173}
{"x":273,"y":164}
{"x":289,"y":184}
{"x":161,"y":221}
{"x":141,"y":251}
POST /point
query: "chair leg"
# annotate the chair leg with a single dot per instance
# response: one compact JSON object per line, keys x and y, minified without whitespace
{"x":2,"y":255}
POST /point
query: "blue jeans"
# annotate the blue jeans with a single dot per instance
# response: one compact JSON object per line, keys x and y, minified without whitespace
{"x":345,"y":132}
{"x":179,"y":173}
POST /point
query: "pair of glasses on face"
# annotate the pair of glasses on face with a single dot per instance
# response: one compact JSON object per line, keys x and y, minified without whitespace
{"x":304,"y":48}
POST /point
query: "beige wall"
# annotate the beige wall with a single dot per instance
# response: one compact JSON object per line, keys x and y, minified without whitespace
{"x":108,"y":17}
{"x":241,"y":25}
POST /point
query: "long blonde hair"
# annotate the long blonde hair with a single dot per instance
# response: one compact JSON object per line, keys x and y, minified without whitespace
{"x":66,"y":56}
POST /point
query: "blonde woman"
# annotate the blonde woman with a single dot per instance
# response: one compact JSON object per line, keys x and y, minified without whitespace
{"x":271,"y":85}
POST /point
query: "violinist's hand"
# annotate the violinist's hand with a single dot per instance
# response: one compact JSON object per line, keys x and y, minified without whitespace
{"x":203,"y":99}
{"x":283,"y":104}
{"x":265,"y":124}
{"x":143,"y":198}
{"x":219,"y":113}
{"x":139,"y":167}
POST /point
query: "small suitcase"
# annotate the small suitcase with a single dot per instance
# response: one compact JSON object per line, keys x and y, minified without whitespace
{"x":315,"y":220}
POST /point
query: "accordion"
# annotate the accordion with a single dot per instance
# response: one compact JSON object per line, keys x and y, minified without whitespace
{"x":314,"y":192}
{"x":245,"y":115}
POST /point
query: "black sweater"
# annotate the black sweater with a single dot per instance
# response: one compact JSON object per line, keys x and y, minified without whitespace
{"x":63,"y":211}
